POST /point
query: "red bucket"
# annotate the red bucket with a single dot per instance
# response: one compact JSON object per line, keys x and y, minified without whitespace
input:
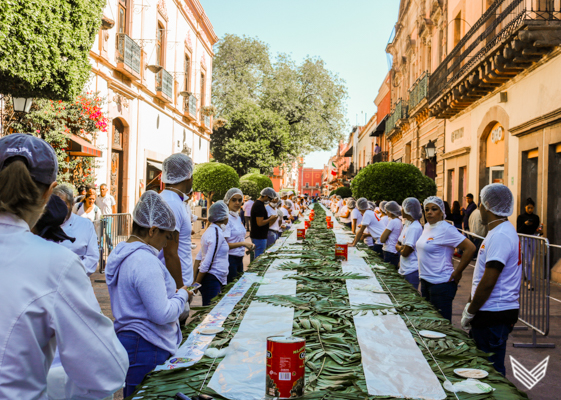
{"x":285,"y":367}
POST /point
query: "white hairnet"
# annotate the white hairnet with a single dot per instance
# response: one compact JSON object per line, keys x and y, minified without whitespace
{"x":177,"y":168}
{"x":412,"y":207}
{"x":218,"y":211}
{"x":383,"y":206}
{"x":393,"y":208}
{"x":435,"y":200}
{"x":231,"y":193}
{"x":498,"y":199}
{"x":269,"y":192}
{"x":339,"y":197}
{"x":371,"y":206}
{"x":362,"y":203}
{"x":288,"y":203}
{"x":351,"y":203}
{"x":152,"y":210}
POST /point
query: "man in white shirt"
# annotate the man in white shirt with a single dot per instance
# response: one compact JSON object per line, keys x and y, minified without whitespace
{"x":107,"y":205}
{"x":494,"y":302}
{"x":247,"y":212}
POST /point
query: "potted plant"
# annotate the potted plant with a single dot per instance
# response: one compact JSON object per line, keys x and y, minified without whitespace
{"x":208,"y":110}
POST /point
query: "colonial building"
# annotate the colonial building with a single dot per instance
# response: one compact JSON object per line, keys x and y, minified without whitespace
{"x":309,"y":181}
{"x":153,"y":63}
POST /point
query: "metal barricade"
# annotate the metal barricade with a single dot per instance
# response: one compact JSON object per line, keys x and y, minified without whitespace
{"x":113,"y":229}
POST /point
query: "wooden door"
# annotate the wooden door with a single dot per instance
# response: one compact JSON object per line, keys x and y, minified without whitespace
{"x":116,"y":186}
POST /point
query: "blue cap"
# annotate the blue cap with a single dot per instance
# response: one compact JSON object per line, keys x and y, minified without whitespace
{"x":40,"y":156}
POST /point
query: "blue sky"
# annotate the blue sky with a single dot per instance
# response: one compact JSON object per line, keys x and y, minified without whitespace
{"x":350,"y":36}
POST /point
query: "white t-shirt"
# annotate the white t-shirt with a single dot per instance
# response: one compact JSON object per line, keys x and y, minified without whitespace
{"x":183,"y":226}
{"x":501,"y":244}
{"x":106,"y":204}
{"x":373,"y":224}
{"x":384,"y":220}
{"x":355,"y":214}
{"x":394,"y":226}
{"x":435,"y":249}
{"x":80,"y":210}
{"x":217,"y":266}
{"x":235,"y":233}
{"x":344,"y":210}
{"x":247,"y":208}
{"x":409,"y":237}
{"x":270,"y":212}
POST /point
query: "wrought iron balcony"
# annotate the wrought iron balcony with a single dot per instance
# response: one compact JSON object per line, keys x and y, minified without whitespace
{"x":508,"y":38}
{"x":380,"y":157}
{"x":164,"y":85}
{"x":128,"y":56}
{"x":400,"y":112}
{"x":418,"y":91}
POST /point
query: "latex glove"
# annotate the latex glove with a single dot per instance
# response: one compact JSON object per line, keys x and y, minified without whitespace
{"x":467,"y":318}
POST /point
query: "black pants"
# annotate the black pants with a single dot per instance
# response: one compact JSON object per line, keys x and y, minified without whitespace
{"x":441,"y":296}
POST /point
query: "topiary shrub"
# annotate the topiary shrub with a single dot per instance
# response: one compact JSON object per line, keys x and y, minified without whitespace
{"x":249,"y":188}
{"x":392,"y":181}
{"x":214,"y":180}
{"x":261,"y":182}
{"x":44,"y":46}
{"x":343,"y":191}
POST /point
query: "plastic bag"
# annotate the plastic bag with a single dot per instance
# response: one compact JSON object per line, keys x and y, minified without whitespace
{"x":472,"y":386}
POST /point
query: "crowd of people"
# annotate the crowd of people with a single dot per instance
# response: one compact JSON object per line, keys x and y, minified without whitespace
{"x":421,"y":243}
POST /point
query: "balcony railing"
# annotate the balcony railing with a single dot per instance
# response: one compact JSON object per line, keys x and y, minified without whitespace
{"x":128,"y":54}
{"x":419,"y":91}
{"x":380,"y":157}
{"x":400,"y":112}
{"x":496,"y":39}
{"x":164,"y":84}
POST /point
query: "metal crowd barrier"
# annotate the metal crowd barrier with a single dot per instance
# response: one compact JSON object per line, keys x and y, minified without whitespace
{"x":112,"y":230}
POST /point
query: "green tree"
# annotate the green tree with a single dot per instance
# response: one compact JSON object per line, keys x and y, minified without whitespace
{"x":392,"y":181}
{"x":44,"y":46}
{"x":249,"y":188}
{"x":260,"y":182}
{"x":252,"y":138}
{"x":214,"y":179}
{"x":343,"y":191}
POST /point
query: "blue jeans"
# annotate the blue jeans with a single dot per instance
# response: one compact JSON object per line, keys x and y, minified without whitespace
{"x":413,"y":279}
{"x":392,"y":258}
{"x":235,"y":268}
{"x":210,"y":288}
{"x":349,"y":224}
{"x":143,"y":358}
{"x":272,"y":237}
{"x":440,"y":296}
{"x":493,"y":340}
{"x":260,"y":246}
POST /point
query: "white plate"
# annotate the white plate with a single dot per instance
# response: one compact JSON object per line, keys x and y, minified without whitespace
{"x":471,"y":373}
{"x":210,"y":331}
{"x":432,"y":334}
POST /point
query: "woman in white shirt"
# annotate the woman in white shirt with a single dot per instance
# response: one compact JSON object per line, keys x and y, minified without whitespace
{"x":391,"y":234}
{"x":211,"y":265}
{"x":235,"y":234}
{"x":87,"y":208}
{"x":82,"y":229}
{"x":356,"y":216}
{"x":378,"y":246}
{"x":345,"y":213}
{"x":48,"y":301}
{"x":412,"y":231}
{"x":276,"y":226}
{"x":435,"y":248}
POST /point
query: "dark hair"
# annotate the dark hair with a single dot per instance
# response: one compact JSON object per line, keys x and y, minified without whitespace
{"x":456,"y":207}
{"x":19,"y":193}
{"x":447,"y":210}
{"x":139,"y":230}
{"x":530,"y":202}
{"x":469,"y":195}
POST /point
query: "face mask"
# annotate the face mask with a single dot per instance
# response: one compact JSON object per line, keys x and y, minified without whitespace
{"x":223,"y":227}
{"x":406,"y":222}
{"x":437,"y":224}
{"x":266,"y":202}
{"x":234,"y":214}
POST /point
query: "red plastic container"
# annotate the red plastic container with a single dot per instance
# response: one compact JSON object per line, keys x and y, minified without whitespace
{"x":341,"y":251}
{"x":306,"y":224}
{"x":329,"y":225}
{"x":328,"y":219}
{"x":285,"y":367}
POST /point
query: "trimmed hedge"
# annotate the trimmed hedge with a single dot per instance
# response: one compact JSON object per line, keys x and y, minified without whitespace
{"x":44,"y":46}
{"x":392,"y":181}
{"x":215,"y":178}
{"x":343,"y":191}
{"x":257,"y":183}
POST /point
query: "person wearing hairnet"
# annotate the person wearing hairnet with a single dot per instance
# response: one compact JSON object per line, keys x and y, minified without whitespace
{"x":493,"y":307}
{"x":381,"y":215}
{"x":260,"y":220}
{"x":144,"y":300}
{"x":371,"y":224}
{"x":177,"y":177}
{"x":345,"y":213}
{"x":391,"y":234}
{"x":412,"y":230}
{"x":211,"y":264}
{"x":235,"y":234}
{"x":274,"y":228}
{"x":356,"y":216}
{"x":81,"y":229}
{"x":435,"y":248}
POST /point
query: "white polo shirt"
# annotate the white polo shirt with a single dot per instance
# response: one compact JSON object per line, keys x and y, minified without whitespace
{"x":409,"y":237}
{"x":394,"y":226}
{"x":373,"y":223}
{"x":235,"y":233}
{"x":501,"y":244}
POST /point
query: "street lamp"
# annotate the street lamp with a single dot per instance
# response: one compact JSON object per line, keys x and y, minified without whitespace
{"x":22,"y":104}
{"x":430,"y":150}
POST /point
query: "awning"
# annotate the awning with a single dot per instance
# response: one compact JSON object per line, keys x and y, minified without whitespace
{"x":380,"y":128}
{"x":155,"y":164}
{"x":349,"y":152}
{"x":81,"y":147}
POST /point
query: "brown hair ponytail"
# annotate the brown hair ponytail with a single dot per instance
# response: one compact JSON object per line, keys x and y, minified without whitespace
{"x":19,"y":193}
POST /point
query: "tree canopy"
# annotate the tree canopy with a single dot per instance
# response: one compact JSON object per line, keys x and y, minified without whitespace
{"x":257,"y":183}
{"x":307,"y":97}
{"x":214,"y":180}
{"x":44,"y":46}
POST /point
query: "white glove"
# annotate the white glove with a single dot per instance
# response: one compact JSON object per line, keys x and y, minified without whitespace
{"x":467,"y":318}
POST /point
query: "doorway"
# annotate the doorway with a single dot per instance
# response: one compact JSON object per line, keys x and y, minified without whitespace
{"x":117,"y":163}
{"x":529,"y":181}
{"x":554,"y":202}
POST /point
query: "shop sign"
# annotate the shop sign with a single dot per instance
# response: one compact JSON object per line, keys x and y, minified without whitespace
{"x":497,"y":134}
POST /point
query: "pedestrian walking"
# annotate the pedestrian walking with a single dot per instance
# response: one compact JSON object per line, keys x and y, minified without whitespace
{"x":81,"y":229}
{"x":391,"y":234}
{"x":177,"y":177}
{"x":247,"y":212}
{"x":528,"y":223}
{"x":87,"y":207}
{"x":235,"y":234}
{"x":435,"y":248}
{"x":48,"y":301}
{"x":260,"y":220}
{"x":412,"y":231}
{"x":371,"y":223}
{"x":471,"y":207}
{"x":108,"y":206}
{"x":144,"y":300}
{"x":211,"y":265}
{"x":493,"y":307}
